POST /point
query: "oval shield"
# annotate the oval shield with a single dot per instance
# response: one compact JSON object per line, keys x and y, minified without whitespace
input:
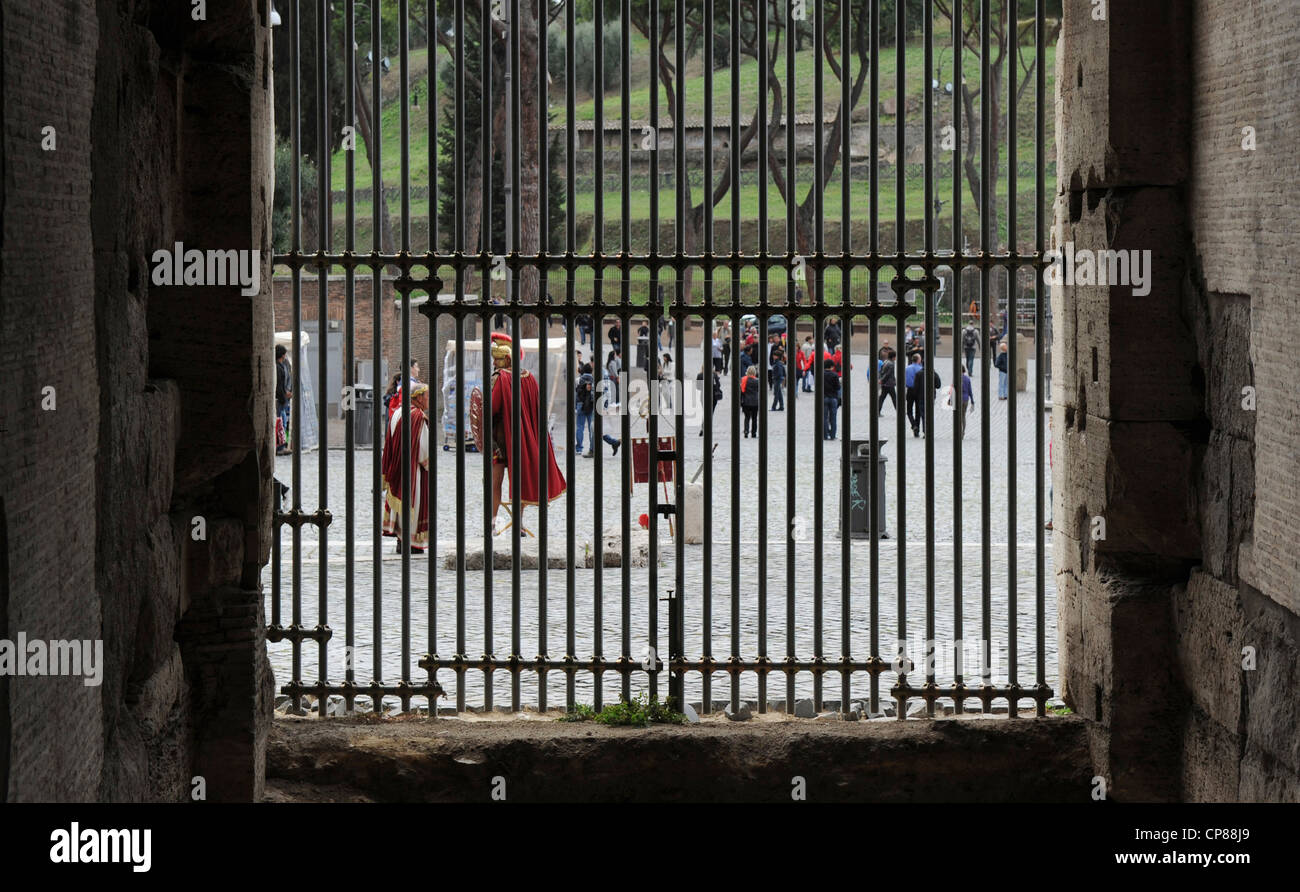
{"x":476,"y":416}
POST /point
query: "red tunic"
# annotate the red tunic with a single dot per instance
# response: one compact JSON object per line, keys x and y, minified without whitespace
{"x":503,"y":439}
{"x":419,"y":476}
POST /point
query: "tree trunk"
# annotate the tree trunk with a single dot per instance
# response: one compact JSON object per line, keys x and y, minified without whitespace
{"x":379,"y":199}
{"x":528,"y":155}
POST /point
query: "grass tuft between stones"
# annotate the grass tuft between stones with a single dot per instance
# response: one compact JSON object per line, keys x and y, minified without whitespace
{"x":639,"y":712}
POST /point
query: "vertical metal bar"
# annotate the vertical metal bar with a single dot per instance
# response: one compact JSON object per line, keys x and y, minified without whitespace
{"x":846,"y":250}
{"x":873,"y":248}
{"x":295,"y":113}
{"x":625,"y":338}
{"x":431,"y":606}
{"x":598,"y":299}
{"x":819,"y":209}
{"x":514,"y":146}
{"x":765,"y":65}
{"x":597,"y":476}
{"x":1013,"y":310}
{"x":1040,"y":572}
{"x":485,"y":279}
{"x":349,"y":352}
{"x":625,"y":429}
{"x":408,"y":484}
{"x":900,"y":247}
{"x":736,"y":374}
{"x":544,"y":326}
{"x":792,"y":248}
{"x":462,"y":395}
{"x":706,"y":380}
{"x":323,"y":225}
{"x":570,"y":245}
{"x":959,"y":403}
{"x":516,"y":467}
{"x":375,"y":151}
{"x":489,"y":458}
{"x":931,"y":331}
{"x":652,"y":445}
{"x":986,"y":249}
{"x":679,"y":476}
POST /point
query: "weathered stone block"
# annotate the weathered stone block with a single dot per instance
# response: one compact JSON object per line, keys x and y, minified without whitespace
{"x":1133,"y":476}
{"x":1210,"y":760}
{"x":1126,"y":356}
{"x":1123,"y":83}
{"x":1208,"y":624}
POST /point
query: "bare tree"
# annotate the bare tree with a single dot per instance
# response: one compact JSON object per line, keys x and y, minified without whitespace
{"x":971,"y":89}
{"x":805,"y":213}
{"x":748,"y":37}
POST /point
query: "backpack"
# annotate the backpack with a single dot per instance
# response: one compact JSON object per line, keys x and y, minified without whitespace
{"x":970,"y":339}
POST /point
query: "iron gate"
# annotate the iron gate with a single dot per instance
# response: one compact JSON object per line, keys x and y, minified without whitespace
{"x":701,"y":286}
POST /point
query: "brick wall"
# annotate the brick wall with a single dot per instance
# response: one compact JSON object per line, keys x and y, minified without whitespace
{"x":363,"y":312}
{"x":1246,"y":593}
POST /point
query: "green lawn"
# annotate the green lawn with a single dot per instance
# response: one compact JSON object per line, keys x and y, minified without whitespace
{"x":639,"y":109}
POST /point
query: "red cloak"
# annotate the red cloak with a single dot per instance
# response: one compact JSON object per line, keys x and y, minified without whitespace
{"x":392,"y":466}
{"x":503,"y":439}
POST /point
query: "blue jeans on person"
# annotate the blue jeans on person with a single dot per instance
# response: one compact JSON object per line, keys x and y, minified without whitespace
{"x":970,"y":361}
{"x":284,"y":420}
{"x":1002,"y":385}
{"x":584,"y":422}
{"x":831,"y":416}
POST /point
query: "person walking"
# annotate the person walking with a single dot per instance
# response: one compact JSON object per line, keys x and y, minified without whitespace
{"x":283,"y":394}
{"x":831,"y":390}
{"x":832,"y":334}
{"x":970,"y":341}
{"x":585,"y":409}
{"x":749,"y":400}
{"x":778,"y":380}
{"x":726,"y":348}
{"x":586,"y":330}
{"x":612,"y":368}
{"x":717,"y":393}
{"x":966,"y":404}
{"x":913,"y":381}
{"x":1001,"y":362}
{"x":888,"y":381}
{"x":717,"y":351}
{"x":807,"y":352}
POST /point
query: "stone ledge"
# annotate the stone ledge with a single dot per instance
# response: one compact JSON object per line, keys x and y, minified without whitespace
{"x":445,"y":760}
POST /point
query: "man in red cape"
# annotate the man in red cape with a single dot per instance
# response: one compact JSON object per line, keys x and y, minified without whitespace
{"x":503,"y":418}
{"x":418,"y":475}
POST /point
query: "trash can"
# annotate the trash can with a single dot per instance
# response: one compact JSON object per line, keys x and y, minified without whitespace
{"x":363,"y":407}
{"x":860,"y":462}
{"x":643,"y":352}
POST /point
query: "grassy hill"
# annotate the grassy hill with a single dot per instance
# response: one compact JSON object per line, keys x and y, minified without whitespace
{"x":748,"y":78}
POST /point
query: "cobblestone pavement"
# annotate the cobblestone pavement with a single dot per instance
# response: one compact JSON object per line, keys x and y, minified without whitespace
{"x":731,"y":572}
